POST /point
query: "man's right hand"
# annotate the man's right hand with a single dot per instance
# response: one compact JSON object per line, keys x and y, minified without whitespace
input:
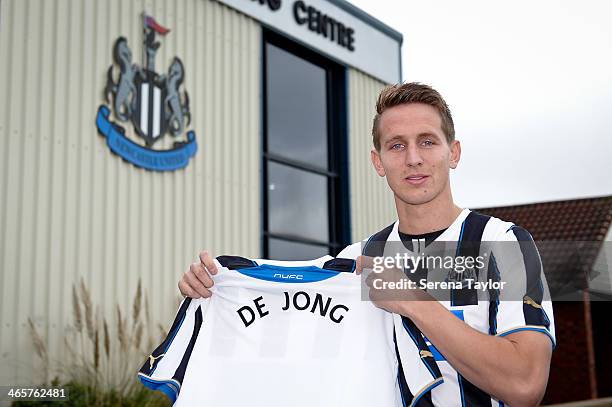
{"x":196,"y":281}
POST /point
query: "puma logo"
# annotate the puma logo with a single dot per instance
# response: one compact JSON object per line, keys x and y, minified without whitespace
{"x":528,"y":300}
{"x":152,"y":360}
{"x":426,"y":354}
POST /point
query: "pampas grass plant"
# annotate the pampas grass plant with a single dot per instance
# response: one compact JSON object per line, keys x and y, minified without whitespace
{"x":102,"y":364}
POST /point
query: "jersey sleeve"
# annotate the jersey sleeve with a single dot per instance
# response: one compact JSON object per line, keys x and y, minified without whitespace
{"x":418,"y":372}
{"x":351,"y":252}
{"x":523,"y":303}
{"x":164,"y":369}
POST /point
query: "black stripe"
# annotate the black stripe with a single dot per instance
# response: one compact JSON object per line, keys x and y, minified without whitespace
{"x":533,"y":269}
{"x":425,"y":400}
{"x":407,"y":396}
{"x":235,"y":262}
{"x":341,"y":265}
{"x":180,"y":371}
{"x":493,"y":275}
{"x":375,"y":246}
{"x":472,"y":395}
{"x":180,"y":315}
{"x":415,"y":334}
{"x":469,"y":246}
{"x":401,"y":377}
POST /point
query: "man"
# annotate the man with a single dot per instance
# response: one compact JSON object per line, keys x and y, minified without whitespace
{"x":415,"y":148}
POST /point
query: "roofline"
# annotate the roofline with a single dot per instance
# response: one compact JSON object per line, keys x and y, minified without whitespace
{"x":585,"y":198}
{"x":368,"y":19}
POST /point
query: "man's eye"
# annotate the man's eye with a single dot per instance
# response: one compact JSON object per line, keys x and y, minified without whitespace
{"x":428,"y":143}
{"x":397,"y":146}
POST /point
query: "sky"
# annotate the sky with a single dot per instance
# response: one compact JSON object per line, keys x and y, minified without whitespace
{"x":529,"y":84}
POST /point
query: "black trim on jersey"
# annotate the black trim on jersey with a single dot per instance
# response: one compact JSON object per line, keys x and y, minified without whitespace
{"x":179,"y":374}
{"x":146,"y":368}
{"x":534,"y":315}
{"x":235,"y":262}
{"x":417,"y":337}
{"x":428,"y":237}
{"x":375,"y":246}
{"x":472,"y":396}
{"x":405,"y":392}
{"x":493,"y":275}
{"x":469,"y":246}
{"x":341,"y":265}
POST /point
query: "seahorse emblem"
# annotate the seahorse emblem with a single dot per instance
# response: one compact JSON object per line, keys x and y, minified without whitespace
{"x":123,"y":90}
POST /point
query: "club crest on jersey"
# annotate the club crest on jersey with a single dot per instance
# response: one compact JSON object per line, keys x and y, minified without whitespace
{"x":155,"y":105}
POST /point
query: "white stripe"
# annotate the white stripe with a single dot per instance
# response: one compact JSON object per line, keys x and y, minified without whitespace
{"x":144,"y":108}
{"x":156,"y":111}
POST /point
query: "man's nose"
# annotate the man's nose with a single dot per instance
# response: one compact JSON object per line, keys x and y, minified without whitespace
{"x":413,"y":156}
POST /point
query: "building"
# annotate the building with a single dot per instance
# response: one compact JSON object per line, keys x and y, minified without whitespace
{"x":261,"y":148}
{"x":574,"y":238}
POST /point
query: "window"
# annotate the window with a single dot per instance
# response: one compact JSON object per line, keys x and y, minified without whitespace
{"x":304,"y":153}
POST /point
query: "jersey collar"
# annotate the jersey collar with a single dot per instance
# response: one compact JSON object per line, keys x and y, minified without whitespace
{"x":448,"y":235}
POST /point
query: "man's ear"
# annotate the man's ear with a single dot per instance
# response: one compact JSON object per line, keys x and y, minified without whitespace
{"x":455,"y":148}
{"x":376,"y":162}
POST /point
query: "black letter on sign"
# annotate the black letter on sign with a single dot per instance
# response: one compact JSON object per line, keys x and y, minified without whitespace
{"x":274,"y":4}
{"x":299,"y":6}
{"x":332,"y":31}
{"x":251,"y":315}
{"x":323,"y":25}
{"x":341,"y":34}
{"x":312,"y":18}
{"x":339,"y":318}
{"x":260,"y":307}
{"x":350,"y":39}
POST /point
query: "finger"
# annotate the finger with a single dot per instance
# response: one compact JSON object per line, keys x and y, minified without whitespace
{"x":370,"y":279}
{"x":358,"y":267}
{"x":209,"y":262}
{"x":367,"y":262}
{"x":201,"y":274}
{"x":195,"y":284}
{"x":186,"y":290}
{"x":364,"y":262}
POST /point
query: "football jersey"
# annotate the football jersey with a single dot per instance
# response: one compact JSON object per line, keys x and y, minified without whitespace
{"x":509,"y":255}
{"x":287,"y":333}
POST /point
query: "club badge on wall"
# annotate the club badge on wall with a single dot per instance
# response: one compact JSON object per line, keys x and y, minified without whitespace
{"x":155,"y":105}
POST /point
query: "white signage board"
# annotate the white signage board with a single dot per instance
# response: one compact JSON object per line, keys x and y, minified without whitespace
{"x":331,"y":30}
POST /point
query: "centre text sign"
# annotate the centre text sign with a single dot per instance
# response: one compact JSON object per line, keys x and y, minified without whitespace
{"x":332,"y":31}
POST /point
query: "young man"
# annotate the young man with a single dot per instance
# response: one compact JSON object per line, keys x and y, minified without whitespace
{"x":490,"y":352}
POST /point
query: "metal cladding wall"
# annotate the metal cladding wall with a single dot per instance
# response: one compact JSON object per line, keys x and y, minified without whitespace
{"x":372,"y":206}
{"x":69,"y":208}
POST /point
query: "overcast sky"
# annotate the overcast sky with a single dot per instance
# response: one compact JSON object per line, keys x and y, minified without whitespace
{"x":530,"y":87}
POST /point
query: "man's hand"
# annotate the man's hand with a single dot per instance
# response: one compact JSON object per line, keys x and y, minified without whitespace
{"x":197,"y":281}
{"x":389,"y":287}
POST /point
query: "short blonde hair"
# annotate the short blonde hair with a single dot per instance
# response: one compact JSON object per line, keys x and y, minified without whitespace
{"x":413,"y":92}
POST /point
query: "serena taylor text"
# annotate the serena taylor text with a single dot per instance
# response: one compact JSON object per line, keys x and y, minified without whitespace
{"x":301,"y":301}
{"x":423,"y":284}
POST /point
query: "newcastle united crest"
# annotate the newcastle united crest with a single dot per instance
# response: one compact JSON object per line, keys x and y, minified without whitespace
{"x":156,"y":105}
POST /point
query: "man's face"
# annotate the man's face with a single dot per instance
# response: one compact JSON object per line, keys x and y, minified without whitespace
{"x":414,"y":154}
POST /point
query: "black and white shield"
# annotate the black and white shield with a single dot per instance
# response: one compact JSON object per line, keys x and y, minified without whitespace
{"x":148,"y":114}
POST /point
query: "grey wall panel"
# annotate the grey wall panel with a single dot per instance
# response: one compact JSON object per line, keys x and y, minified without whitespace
{"x":69,"y":208}
{"x":372,"y":205}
